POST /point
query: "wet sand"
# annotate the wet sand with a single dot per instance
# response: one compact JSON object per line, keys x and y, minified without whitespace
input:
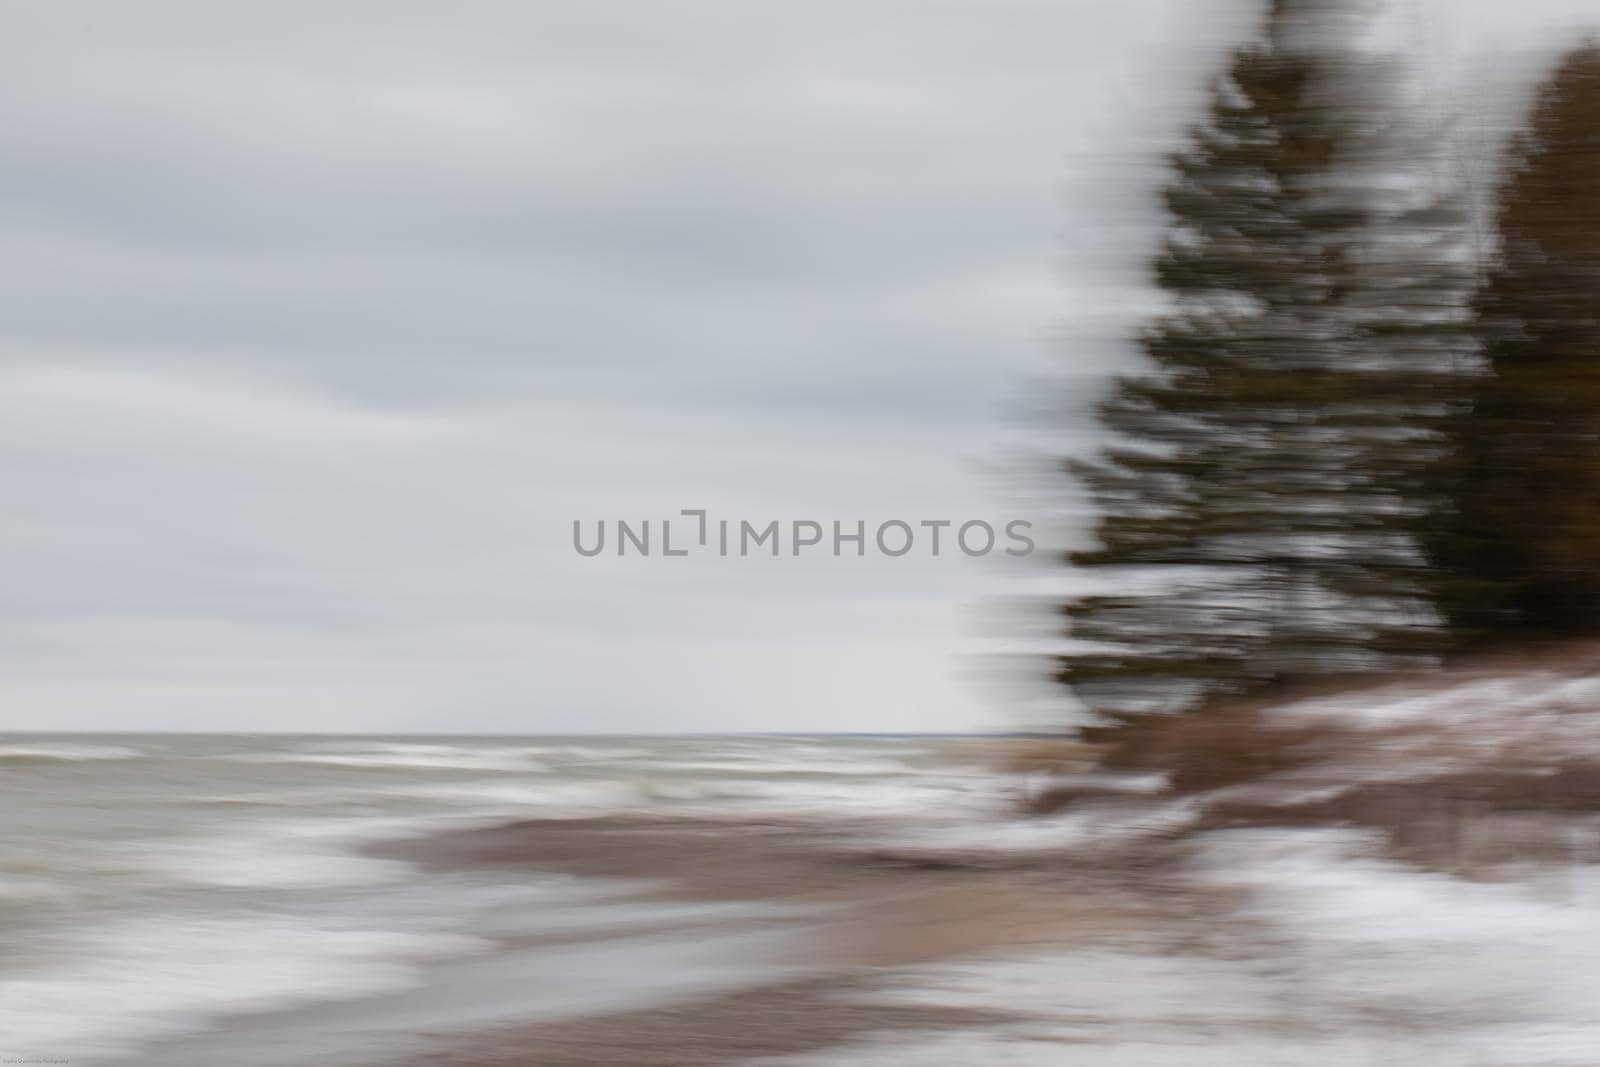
{"x":876,"y":908}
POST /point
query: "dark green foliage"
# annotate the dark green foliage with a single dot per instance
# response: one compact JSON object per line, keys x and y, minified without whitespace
{"x":1521,"y":558}
{"x":1262,"y":498}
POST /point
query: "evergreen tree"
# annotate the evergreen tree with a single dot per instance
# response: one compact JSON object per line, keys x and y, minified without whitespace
{"x":1521,"y":556}
{"x":1260,"y":503}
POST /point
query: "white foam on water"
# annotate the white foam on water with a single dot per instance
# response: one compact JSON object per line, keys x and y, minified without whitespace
{"x":499,"y":799}
{"x":589,"y":753}
{"x":31,"y":890}
{"x":67,"y":753}
{"x":300,"y":853}
{"x":903,"y":797}
{"x":493,"y":746}
{"x":403,"y":757}
{"x":776,"y":766}
{"x":257,"y":898}
{"x":152,"y":978}
{"x":226,"y":862}
{"x":543,"y":797}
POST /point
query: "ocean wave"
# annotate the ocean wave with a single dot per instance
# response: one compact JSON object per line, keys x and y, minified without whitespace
{"x":67,"y":753}
{"x":548,"y":800}
{"x":626,"y":790}
{"x":542,"y":796}
{"x":145,"y":979}
{"x":774,"y":767}
{"x":297,"y":853}
{"x":907,"y":799}
{"x":402,"y":757}
{"x":592,"y":753}
{"x":16,"y":891}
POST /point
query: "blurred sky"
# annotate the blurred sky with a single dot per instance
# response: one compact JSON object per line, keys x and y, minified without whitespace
{"x":322,"y":322}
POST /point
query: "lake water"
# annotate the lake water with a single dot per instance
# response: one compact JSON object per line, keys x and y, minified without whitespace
{"x":154,"y":886}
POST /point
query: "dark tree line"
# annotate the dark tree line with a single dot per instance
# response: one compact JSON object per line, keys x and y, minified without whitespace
{"x":1521,"y":554}
{"x":1351,"y":447}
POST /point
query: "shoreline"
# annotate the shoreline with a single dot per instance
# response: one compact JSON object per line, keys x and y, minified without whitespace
{"x":870,"y":909}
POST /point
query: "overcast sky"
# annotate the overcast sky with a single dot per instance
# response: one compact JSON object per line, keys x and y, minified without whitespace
{"x":323,"y":322}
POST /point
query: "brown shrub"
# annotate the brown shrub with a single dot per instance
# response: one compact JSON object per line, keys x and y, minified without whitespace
{"x":1214,"y":749}
{"x":1047,"y":755}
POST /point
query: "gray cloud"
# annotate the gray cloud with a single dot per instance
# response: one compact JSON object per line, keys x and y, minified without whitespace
{"x":322,"y":323}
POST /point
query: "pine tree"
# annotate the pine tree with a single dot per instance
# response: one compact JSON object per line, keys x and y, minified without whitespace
{"x":1521,"y":556}
{"x":1261,"y":500}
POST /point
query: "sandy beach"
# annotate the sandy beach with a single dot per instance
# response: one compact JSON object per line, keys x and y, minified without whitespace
{"x":873,"y":909}
{"x":1389,"y":878}
{"x":370,"y":901}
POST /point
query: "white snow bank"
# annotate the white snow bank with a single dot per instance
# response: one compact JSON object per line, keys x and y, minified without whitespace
{"x":1491,"y":973}
{"x":1334,"y":959}
{"x":1498,"y":707}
